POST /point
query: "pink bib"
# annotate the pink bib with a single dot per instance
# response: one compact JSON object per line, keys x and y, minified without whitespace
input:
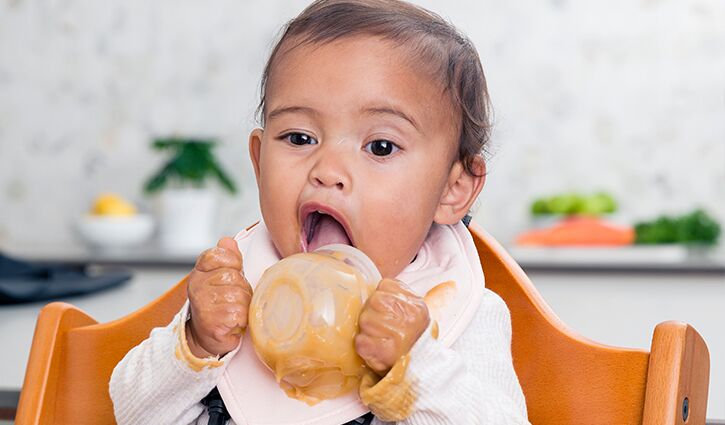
{"x":447,"y":271}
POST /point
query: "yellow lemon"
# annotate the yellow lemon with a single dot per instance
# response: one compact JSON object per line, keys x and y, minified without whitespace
{"x":112,"y":204}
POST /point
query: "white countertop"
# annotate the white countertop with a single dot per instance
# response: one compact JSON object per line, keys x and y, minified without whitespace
{"x":629,"y":258}
{"x":146,"y":255}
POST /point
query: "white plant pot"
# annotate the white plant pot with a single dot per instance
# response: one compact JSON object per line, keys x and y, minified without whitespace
{"x":186,"y":219}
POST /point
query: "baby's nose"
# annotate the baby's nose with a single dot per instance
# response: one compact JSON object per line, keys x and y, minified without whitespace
{"x":322,"y":182}
{"x":328,"y":180}
{"x":329,"y":171}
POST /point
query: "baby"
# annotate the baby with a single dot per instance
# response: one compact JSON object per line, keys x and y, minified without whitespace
{"x":374,"y":116}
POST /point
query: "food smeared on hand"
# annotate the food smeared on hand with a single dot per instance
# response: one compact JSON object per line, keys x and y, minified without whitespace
{"x":391,"y":322}
{"x":219,"y":297}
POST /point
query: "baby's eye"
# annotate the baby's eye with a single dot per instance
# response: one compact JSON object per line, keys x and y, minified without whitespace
{"x":381,"y":147}
{"x":300,"y":139}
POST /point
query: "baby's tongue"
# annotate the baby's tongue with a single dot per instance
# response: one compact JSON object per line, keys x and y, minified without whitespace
{"x":327,"y":231}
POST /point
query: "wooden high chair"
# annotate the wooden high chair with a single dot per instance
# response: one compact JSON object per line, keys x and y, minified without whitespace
{"x":567,"y":379}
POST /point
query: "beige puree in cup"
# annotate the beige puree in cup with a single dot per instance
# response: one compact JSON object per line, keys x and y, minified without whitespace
{"x":304,"y":316}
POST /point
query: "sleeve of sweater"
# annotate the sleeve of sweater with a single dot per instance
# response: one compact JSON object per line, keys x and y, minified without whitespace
{"x":160,"y":381}
{"x":473,"y":382}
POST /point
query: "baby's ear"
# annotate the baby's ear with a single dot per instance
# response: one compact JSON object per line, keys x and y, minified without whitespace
{"x":460,"y":192}
{"x":255,"y":148}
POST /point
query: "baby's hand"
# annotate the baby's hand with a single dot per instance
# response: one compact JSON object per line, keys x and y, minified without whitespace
{"x":391,"y":321}
{"x":219,"y":296}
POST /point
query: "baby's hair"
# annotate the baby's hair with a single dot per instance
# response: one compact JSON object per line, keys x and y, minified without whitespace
{"x":435,"y":45}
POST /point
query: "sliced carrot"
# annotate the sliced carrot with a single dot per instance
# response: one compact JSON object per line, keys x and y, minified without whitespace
{"x":579,"y":231}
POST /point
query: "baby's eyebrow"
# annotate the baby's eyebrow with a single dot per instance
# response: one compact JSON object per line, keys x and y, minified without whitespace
{"x":373,"y":110}
{"x":387,"y":110}
{"x":290,"y":110}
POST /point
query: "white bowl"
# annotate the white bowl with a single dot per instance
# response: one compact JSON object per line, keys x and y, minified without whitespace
{"x":115,"y":231}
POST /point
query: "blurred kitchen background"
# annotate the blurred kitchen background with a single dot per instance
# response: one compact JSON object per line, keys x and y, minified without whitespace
{"x":625,"y":99}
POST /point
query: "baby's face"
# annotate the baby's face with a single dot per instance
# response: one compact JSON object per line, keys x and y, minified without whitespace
{"x":358,"y":148}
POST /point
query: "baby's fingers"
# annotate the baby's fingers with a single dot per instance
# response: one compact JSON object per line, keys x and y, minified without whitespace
{"x":225,"y":255}
{"x":378,"y":353}
{"x":225,"y":277}
{"x":387,"y":304}
{"x":375,"y":324}
{"x":218,"y":286}
{"x":235,"y":295}
{"x":220,"y":328}
{"x":233,"y":319}
{"x":394,"y":286}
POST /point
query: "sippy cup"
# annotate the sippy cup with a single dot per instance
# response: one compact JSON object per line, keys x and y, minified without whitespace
{"x":304,"y":316}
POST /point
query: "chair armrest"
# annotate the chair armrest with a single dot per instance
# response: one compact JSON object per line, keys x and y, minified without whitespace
{"x":677,"y":376}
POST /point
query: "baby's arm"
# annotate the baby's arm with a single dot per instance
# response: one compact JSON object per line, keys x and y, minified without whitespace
{"x":164,"y":379}
{"x":473,"y":382}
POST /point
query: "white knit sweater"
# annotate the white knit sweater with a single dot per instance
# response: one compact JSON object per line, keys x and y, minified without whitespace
{"x":473,"y":382}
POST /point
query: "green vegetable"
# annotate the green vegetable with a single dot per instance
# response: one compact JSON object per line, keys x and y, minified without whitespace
{"x":696,"y":227}
{"x":540,"y":207}
{"x":192,"y":162}
{"x":601,"y":203}
{"x":564,"y":204}
{"x":574,"y":203}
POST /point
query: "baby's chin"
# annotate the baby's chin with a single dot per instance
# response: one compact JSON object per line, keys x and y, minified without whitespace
{"x":391,"y":272}
{"x":284,"y":244}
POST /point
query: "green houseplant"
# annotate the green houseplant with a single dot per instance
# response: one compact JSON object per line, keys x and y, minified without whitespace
{"x":187,"y":205}
{"x":192,"y":162}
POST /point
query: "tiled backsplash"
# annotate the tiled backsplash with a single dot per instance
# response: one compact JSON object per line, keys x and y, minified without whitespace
{"x":625,"y":96}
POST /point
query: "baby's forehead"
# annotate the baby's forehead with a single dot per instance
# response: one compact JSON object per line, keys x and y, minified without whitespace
{"x":424,"y":59}
{"x":368,"y":70}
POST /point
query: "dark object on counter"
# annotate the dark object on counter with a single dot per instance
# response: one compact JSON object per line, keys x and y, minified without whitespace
{"x":22,"y":282}
{"x":696,"y":228}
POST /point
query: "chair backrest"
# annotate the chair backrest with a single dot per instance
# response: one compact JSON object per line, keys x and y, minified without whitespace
{"x":553,"y":362}
{"x":73,"y":356}
{"x":566,"y":378}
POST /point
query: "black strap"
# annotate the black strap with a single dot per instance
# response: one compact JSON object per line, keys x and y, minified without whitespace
{"x":218,"y":414}
{"x":467,"y":220}
{"x":366,"y":419}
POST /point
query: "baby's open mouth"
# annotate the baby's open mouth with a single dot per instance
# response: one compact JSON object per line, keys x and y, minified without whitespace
{"x":322,"y":229}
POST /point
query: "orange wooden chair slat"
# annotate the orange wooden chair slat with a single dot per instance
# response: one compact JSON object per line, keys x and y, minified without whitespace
{"x":566,"y":378}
